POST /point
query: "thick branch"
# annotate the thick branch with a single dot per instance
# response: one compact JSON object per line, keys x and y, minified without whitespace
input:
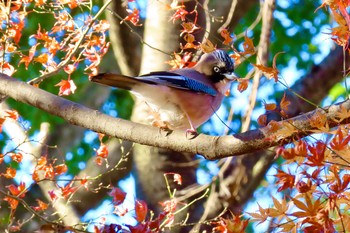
{"x":211,"y":147}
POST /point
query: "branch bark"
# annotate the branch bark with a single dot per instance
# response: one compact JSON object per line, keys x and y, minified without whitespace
{"x":211,"y":147}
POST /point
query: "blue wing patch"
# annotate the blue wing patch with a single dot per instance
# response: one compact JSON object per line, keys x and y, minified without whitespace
{"x":177,"y":81}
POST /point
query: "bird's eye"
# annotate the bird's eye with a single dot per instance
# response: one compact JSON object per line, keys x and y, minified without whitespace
{"x":216,"y":69}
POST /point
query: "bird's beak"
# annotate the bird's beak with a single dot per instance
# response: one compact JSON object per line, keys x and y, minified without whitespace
{"x":231,"y":76}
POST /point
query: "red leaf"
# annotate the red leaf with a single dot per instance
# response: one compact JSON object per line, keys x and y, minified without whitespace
{"x":118,"y":196}
{"x":287,"y":180}
{"x":68,"y":190}
{"x":140,"y":210}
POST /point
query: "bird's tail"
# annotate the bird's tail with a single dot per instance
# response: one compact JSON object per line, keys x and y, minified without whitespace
{"x":115,"y":80}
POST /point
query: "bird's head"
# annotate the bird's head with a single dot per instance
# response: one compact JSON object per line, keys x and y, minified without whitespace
{"x":217,"y":65}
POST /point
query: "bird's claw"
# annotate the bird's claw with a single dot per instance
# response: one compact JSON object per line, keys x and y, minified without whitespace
{"x":191,"y":133}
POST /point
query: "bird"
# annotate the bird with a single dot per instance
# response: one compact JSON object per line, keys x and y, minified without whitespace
{"x":184,"y":98}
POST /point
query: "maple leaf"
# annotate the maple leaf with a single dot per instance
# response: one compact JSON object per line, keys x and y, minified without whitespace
{"x":68,"y":190}
{"x":316,"y":157}
{"x":237,"y":57}
{"x":207,"y":46}
{"x":261,"y":216}
{"x":19,"y":190}
{"x":140,"y":210}
{"x":342,"y":114}
{"x":227,"y":37}
{"x":27,"y":59}
{"x":10,"y":173}
{"x":102,"y":151}
{"x":270,"y":72}
{"x":13,"y":114}
{"x":41,"y":206}
{"x":262,"y":120}
{"x":288,"y":226}
{"x":339,"y":142}
{"x":42,"y":58}
{"x":181,"y":62}
{"x":17,"y":157}
{"x":308,"y":208}
{"x":133,"y":17}
{"x":233,"y":225}
{"x":284,"y":105}
{"x":67,"y":87}
{"x":279,"y":210}
{"x":242,"y":84}
{"x":319,"y":121}
{"x":12,"y":202}
{"x":189,"y":38}
{"x":286,"y":179}
{"x":303,"y":187}
{"x":118,"y":195}
{"x":7,"y":68}
{"x":248,"y":46}
{"x":180,"y":12}
{"x":188,"y":27}
{"x":60,"y":169}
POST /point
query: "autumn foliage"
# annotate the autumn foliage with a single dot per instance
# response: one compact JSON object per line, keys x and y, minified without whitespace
{"x":313,"y":175}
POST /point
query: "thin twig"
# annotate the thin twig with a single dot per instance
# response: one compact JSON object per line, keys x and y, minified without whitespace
{"x":73,"y":52}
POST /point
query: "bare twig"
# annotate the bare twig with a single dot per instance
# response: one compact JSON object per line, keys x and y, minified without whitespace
{"x":73,"y":52}
{"x":262,"y":58}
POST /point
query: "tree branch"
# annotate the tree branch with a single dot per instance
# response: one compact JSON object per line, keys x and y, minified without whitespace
{"x":211,"y":147}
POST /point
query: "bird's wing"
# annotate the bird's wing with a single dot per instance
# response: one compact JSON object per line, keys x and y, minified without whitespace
{"x":155,"y":78}
{"x":178,"y":81}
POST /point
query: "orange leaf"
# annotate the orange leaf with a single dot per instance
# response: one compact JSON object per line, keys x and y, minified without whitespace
{"x":67,"y":87}
{"x":2,"y":120}
{"x":262,"y":120}
{"x":207,"y":46}
{"x":12,"y":202}
{"x":270,"y":107}
{"x":284,"y":105}
{"x":60,"y":169}
{"x":10,"y":172}
{"x":13,"y":114}
{"x":188,"y":27}
{"x":17,"y":190}
{"x":28,"y":59}
{"x":17,"y":157}
{"x":243,"y":84}
{"x":248,"y":46}
{"x":41,"y":206}
{"x":268,"y":71}
{"x":140,"y":210}
{"x":226,"y":35}
{"x":43,"y":58}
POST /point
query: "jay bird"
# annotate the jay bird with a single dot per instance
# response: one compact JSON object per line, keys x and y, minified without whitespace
{"x":183,"y":98}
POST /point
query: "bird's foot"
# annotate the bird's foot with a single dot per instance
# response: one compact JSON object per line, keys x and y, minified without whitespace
{"x":191,"y":133}
{"x":162,"y":125}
